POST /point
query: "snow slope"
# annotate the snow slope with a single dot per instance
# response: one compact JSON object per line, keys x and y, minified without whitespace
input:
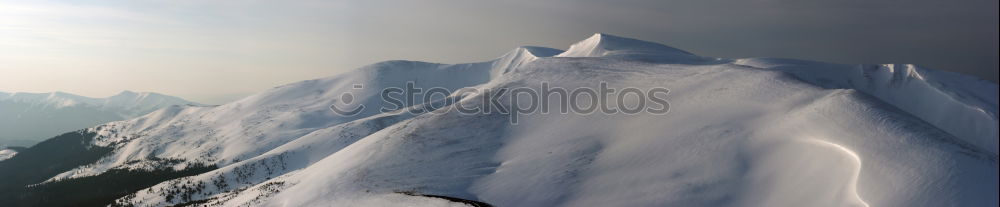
{"x":961,"y":105}
{"x":26,"y":118}
{"x":741,"y":132}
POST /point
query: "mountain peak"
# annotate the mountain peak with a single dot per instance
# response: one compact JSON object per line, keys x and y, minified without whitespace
{"x":519,"y":56}
{"x":605,"y":45}
{"x":540,"y":51}
{"x":132,"y":94}
{"x":126,"y":93}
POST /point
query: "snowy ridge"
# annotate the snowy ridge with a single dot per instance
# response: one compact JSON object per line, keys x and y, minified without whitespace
{"x":53,"y":99}
{"x":604,"y":45}
{"x":127,"y":103}
{"x":520,"y":56}
{"x":133,"y":104}
{"x":960,"y":105}
{"x":253,"y":125}
{"x":299,"y":108}
{"x":747,"y":132}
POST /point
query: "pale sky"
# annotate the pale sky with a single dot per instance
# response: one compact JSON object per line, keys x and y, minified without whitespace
{"x":214,"y":51}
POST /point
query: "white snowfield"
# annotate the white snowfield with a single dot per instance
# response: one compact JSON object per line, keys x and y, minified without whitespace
{"x":740,"y":132}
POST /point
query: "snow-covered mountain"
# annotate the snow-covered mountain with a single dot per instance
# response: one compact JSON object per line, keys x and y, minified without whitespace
{"x":27,"y":118}
{"x":7,"y":154}
{"x":740,"y":132}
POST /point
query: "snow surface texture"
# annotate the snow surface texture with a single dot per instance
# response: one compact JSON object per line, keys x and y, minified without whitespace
{"x":740,"y":132}
{"x":26,"y":118}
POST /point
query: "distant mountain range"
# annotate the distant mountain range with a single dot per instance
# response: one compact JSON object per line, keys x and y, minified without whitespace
{"x":739,"y":132}
{"x":28,"y":118}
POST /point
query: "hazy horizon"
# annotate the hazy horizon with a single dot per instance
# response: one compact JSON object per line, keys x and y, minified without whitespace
{"x":216,"y":51}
